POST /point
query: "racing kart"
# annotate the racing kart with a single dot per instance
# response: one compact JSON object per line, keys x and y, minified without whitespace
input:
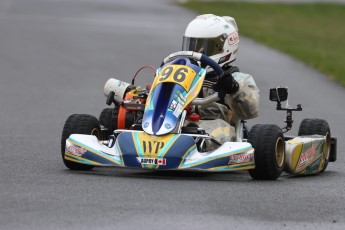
{"x":154,"y":129}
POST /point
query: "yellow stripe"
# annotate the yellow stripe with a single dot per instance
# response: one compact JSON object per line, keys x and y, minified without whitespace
{"x":232,"y":168}
{"x":243,"y":164}
{"x":193,"y":93}
{"x":68,"y":157}
{"x":135,"y":145}
{"x":168,"y":148}
{"x":243,"y":168}
{"x":183,"y":157}
{"x":138,"y":153}
{"x":121,"y":156}
{"x":246,"y":168}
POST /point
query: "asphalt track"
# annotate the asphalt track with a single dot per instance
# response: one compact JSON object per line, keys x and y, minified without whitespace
{"x":55,"y":56}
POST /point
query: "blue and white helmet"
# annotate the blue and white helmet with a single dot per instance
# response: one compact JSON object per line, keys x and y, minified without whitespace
{"x":214,"y":36}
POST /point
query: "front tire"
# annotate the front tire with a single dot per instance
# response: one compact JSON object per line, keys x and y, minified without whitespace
{"x":320,"y":127}
{"x":79,"y":124}
{"x":269,"y":151}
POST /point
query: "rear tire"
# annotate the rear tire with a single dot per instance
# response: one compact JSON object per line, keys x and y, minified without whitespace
{"x":320,"y":127}
{"x":269,"y":151}
{"x":79,"y":124}
{"x":108,"y":118}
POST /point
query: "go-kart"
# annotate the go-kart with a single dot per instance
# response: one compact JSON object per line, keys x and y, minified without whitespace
{"x":152,"y":129}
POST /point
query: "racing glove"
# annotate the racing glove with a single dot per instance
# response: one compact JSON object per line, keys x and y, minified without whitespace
{"x":226,"y":84}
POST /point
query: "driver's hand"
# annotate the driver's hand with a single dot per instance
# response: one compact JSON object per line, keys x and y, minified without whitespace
{"x":226,"y":85}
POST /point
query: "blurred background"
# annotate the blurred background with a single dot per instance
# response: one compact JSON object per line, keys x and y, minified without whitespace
{"x":56,"y":55}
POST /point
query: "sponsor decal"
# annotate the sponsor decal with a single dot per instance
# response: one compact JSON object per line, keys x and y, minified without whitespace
{"x":152,"y":146}
{"x":307,"y":157}
{"x":76,"y":151}
{"x":180,"y":98}
{"x":233,"y":38}
{"x":241,"y":158}
{"x":180,"y":101}
{"x":167,"y":126}
{"x":146,"y":125}
{"x":151,"y":161}
{"x":178,"y":110}
{"x":173,"y":105}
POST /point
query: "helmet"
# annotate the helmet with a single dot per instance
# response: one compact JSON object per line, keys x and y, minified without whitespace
{"x":214,"y":36}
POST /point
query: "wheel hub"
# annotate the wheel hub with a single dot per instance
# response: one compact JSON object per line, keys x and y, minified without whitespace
{"x":280,"y":152}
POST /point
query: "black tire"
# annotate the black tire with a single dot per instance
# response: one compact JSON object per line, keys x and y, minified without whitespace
{"x":320,"y":127}
{"x":108,"y":118}
{"x":78,"y":124}
{"x":269,"y":151}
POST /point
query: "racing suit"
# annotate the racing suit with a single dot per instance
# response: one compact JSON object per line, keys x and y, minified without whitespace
{"x":239,"y":100}
{"x":239,"y":96}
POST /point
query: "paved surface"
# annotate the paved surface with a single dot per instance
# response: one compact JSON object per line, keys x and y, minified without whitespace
{"x":55,"y":57}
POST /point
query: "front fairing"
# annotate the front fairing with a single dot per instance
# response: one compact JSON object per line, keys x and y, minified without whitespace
{"x":176,"y":84}
{"x":137,"y":149}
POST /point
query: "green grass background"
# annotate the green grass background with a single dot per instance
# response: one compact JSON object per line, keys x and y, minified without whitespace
{"x":312,"y":33}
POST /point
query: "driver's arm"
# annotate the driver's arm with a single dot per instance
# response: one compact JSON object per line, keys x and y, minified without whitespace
{"x":226,"y":84}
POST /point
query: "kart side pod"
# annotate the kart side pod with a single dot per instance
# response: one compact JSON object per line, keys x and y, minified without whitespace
{"x":305,"y":154}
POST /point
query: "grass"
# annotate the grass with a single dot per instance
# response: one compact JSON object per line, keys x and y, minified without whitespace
{"x":312,"y":33}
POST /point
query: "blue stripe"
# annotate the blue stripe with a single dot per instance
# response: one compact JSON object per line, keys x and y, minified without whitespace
{"x":186,"y":156}
{"x":129,"y":152}
{"x":167,"y":146}
{"x":213,"y":163}
{"x":177,"y":151}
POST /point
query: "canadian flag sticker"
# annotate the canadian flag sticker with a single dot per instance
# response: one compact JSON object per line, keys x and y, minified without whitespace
{"x":161,"y":161}
{"x":151,"y":161}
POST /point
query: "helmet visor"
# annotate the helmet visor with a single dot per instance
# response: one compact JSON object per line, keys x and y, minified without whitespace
{"x":207,"y":46}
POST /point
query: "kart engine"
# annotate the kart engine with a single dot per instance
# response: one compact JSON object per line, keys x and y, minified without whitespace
{"x":129,"y":103}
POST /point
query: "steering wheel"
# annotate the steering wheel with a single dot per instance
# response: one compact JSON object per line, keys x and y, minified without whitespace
{"x":204,"y":60}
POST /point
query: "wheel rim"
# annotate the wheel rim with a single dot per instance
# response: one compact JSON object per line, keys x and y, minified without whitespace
{"x":280,"y":152}
{"x":95,"y":132}
{"x":327,"y":147}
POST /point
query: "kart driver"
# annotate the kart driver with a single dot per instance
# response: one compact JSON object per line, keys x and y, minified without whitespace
{"x":217,"y":37}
